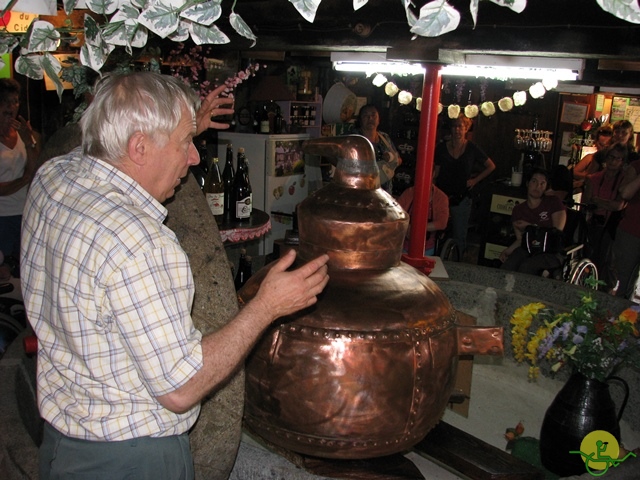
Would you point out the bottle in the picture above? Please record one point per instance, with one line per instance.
(264, 120)
(277, 122)
(244, 270)
(214, 191)
(199, 171)
(242, 194)
(203, 152)
(228, 175)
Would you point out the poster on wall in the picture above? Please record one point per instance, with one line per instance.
(618, 106)
(574, 113)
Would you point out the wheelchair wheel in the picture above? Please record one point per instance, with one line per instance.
(583, 270)
(450, 251)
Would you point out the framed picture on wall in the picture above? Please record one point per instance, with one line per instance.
(574, 113)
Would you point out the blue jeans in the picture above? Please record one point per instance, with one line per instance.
(145, 458)
(460, 222)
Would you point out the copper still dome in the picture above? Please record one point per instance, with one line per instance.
(370, 368)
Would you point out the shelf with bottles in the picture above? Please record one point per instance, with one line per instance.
(302, 116)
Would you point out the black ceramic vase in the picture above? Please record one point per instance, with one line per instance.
(580, 407)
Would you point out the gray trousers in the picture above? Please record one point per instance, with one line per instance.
(62, 457)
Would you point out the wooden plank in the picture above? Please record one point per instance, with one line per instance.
(473, 457)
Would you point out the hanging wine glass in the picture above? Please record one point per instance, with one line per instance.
(518, 141)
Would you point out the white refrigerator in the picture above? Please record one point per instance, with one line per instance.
(279, 180)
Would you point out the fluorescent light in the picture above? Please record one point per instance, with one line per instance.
(503, 67)
(504, 73)
(371, 63)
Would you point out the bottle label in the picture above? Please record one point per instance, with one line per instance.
(243, 207)
(216, 203)
(264, 126)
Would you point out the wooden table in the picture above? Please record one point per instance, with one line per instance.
(257, 225)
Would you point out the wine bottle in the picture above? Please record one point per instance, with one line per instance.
(200, 170)
(228, 175)
(244, 270)
(214, 191)
(242, 194)
(264, 121)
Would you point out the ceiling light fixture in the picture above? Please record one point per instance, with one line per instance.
(371, 63)
(503, 67)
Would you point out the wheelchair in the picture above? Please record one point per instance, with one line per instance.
(577, 267)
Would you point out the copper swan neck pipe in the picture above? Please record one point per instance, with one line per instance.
(353, 156)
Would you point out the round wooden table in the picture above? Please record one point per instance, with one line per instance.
(257, 225)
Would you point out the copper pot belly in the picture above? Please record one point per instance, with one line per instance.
(369, 369)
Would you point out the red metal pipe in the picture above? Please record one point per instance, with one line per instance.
(424, 169)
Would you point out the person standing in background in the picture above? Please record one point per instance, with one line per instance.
(387, 156)
(19, 151)
(623, 133)
(438, 215)
(109, 290)
(626, 246)
(601, 191)
(459, 166)
(592, 162)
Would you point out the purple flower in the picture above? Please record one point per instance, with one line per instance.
(564, 330)
(581, 329)
(577, 339)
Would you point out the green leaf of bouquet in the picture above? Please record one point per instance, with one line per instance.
(516, 5)
(436, 18)
(103, 7)
(210, 35)
(203, 13)
(182, 32)
(30, 66)
(160, 19)
(42, 37)
(625, 9)
(52, 67)
(69, 5)
(306, 8)
(240, 26)
(7, 43)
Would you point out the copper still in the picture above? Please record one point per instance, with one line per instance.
(369, 369)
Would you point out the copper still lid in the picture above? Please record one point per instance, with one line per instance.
(354, 221)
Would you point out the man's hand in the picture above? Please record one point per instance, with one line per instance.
(283, 293)
(211, 107)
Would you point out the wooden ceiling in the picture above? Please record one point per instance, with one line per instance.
(566, 28)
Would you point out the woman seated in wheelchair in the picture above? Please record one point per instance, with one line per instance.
(538, 223)
(438, 215)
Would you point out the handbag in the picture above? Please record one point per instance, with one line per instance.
(538, 240)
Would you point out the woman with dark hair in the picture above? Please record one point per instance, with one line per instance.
(19, 150)
(592, 162)
(601, 191)
(623, 133)
(459, 166)
(387, 156)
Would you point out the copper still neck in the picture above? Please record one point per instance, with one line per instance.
(354, 221)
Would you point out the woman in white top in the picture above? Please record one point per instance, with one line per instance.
(19, 151)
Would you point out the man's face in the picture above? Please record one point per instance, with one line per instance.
(369, 119)
(614, 161)
(170, 162)
(537, 186)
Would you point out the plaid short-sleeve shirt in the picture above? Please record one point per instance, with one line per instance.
(108, 291)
